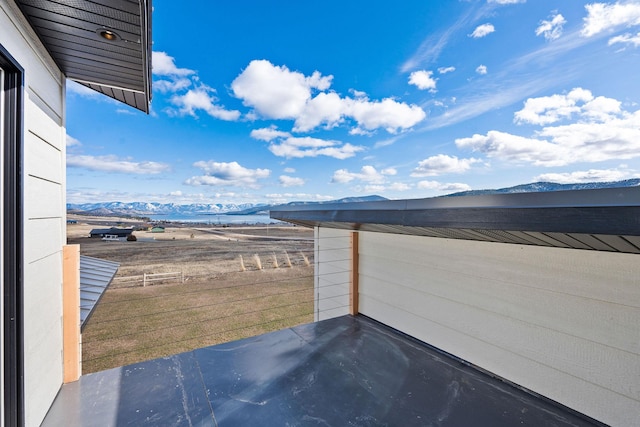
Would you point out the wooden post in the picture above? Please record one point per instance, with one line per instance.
(355, 275)
(71, 312)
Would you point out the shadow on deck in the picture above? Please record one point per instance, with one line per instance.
(348, 371)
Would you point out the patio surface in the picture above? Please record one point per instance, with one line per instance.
(348, 371)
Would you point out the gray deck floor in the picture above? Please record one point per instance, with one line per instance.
(348, 371)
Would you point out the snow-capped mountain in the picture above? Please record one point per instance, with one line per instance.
(538, 187)
(145, 208)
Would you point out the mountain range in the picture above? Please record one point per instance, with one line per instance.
(133, 209)
(138, 209)
(145, 208)
(538, 187)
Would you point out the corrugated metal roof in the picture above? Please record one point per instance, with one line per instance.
(70, 30)
(603, 219)
(95, 276)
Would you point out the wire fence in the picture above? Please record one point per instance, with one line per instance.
(285, 288)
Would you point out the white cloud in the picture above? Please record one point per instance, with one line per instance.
(601, 108)
(605, 17)
(551, 109)
(290, 181)
(445, 70)
(164, 65)
(482, 31)
(386, 142)
(282, 144)
(387, 114)
(284, 197)
(111, 163)
(506, 1)
(444, 187)
(423, 80)
(72, 142)
(325, 108)
(454, 187)
(189, 95)
(201, 98)
(227, 174)
(443, 164)
(428, 185)
(358, 93)
(551, 29)
(368, 174)
(399, 186)
(603, 131)
(626, 39)
(481, 69)
(517, 149)
(289, 170)
(389, 171)
(591, 175)
(293, 147)
(175, 85)
(329, 109)
(268, 134)
(275, 92)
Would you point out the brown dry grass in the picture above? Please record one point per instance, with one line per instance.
(218, 302)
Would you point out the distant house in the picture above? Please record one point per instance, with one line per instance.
(72, 221)
(157, 229)
(113, 231)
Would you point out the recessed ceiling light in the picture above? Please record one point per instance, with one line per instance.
(108, 35)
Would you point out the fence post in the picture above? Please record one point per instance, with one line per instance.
(71, 313)
(144, 279)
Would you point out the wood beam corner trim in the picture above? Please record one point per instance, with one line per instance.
(355, 275)
(71, 312)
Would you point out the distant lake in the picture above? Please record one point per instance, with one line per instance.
(217, 219)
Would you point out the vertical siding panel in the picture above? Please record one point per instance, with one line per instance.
(333, 255)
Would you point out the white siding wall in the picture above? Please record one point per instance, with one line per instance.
(332, 273)
(44, 204)
(562, 322)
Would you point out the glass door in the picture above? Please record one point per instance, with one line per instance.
(11, 248)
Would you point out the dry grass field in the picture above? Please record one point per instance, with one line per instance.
(221, 299)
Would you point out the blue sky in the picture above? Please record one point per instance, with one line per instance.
(269, 102)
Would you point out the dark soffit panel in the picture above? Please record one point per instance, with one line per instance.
(71, 32)
(602, 220)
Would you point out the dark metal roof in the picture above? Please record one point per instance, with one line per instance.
(70, 30)
(95, 276)
(603, 219)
